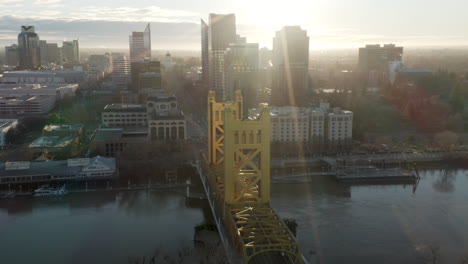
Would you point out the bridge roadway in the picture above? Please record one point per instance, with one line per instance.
(233, 255)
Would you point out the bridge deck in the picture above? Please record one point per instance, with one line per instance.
(251, 233)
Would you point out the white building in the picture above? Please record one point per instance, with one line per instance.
(27, 104)
(43, 77)
(124, 115)
(58, 90)
(5, 126)
(322, 125)
(289, 124)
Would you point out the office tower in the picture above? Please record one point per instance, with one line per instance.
(99, 64)
(53, 53)
(204, 53)
(28, 49)
(241, 73)
(291, 66)
(43, 52)
(11, 55)
(221, 33)
(140, 45)
(71, 51)
(121, 71)
(146, 75)
(377, 58)
(265, 58)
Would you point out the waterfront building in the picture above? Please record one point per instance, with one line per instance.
(321, 126)
(11, 55)
(5, 126)
(377, 58)
(291, 66)
(28, 49)
(81, 169)
(56, 139)
(140, 45)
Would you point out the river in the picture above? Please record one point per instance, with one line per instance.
(336, 223)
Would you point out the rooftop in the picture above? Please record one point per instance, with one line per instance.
(63, 127)
(51, 142)
(70, 166)
(124, 108)
(108, 134)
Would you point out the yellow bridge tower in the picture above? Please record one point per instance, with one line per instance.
(238, 168)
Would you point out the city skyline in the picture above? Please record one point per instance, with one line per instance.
(330, 24)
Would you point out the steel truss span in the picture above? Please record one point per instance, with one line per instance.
(238, 170)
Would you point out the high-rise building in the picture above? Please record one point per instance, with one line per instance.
(204, 53)
(265, 58)
(146, 75)
(28, 49)
(241, 73)
(376, 57)
(291, 66)
(53, 53)
(11, 55)
(221, 33)
(43, 52)
(71, 51)
(140, 45)
(121, 71)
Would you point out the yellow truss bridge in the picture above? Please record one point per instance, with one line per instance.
(236, 178)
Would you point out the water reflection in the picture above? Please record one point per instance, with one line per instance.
(444, 181)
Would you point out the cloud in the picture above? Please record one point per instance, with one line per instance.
(46, 1)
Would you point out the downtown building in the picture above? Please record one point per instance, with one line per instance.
(29, 56)
(377, 57)
(80, 169)
(290, 66)
(216, 37)
(71, 51)
(11, 55)
(165, 120)
(241, 72)
(323, 127)
(140, 45)
(121, 74)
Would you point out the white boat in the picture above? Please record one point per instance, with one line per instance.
(45, 190)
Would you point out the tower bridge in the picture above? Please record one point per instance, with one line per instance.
(236, 177)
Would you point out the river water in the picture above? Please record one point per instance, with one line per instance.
(336, 223)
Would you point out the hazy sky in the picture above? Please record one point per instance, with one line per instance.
(176, 23)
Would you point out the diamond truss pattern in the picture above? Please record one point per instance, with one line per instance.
(239, 166)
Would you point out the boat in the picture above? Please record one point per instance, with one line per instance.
(45, 190)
